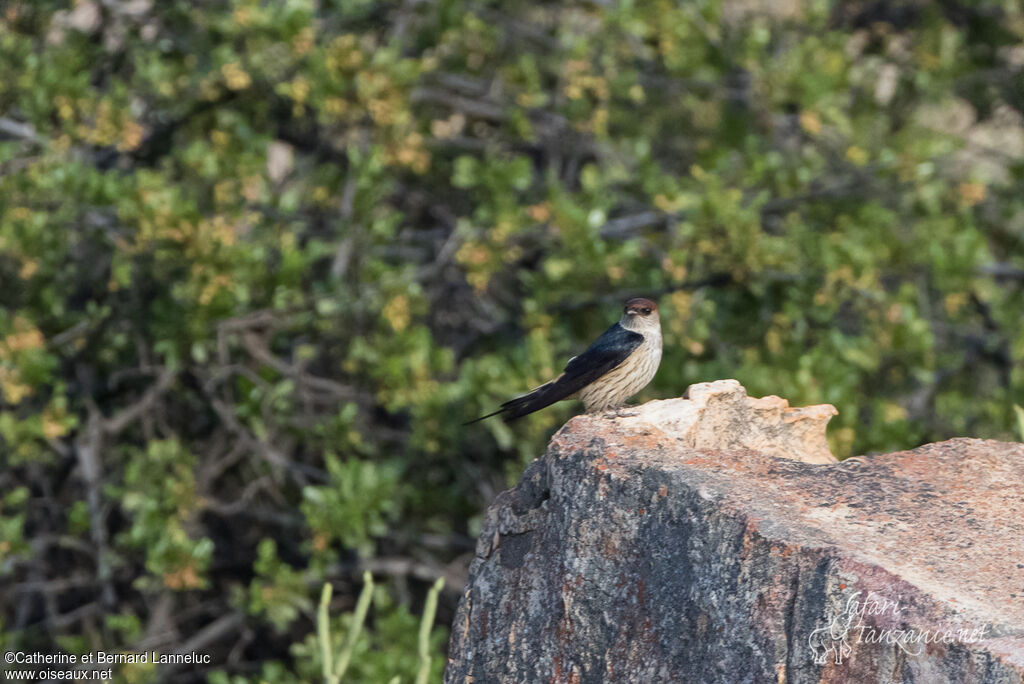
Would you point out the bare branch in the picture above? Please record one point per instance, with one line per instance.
(1002, 271)
(16, 129)
(88, 448)
(255, 346)
(125, 417)
(626, 226)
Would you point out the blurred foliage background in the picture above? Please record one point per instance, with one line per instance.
(260, 260)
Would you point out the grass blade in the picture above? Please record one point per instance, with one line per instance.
(426, 624)
(356, 628)
(323, 633)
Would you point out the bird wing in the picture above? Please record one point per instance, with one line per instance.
(609, 350)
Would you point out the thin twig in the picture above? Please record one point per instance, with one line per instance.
(125, 417)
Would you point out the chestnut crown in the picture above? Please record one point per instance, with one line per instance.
(638, 306)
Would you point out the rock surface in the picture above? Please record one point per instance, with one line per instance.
(715, 539)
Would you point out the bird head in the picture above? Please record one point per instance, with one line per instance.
(640, 312)
(638, 306)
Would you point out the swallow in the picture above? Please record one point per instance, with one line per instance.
(620, 363)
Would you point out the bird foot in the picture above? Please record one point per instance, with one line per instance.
(621, 412)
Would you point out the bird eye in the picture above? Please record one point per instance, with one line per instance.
(645, 311)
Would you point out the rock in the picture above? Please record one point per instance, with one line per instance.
(715, 539)
(720, 415)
